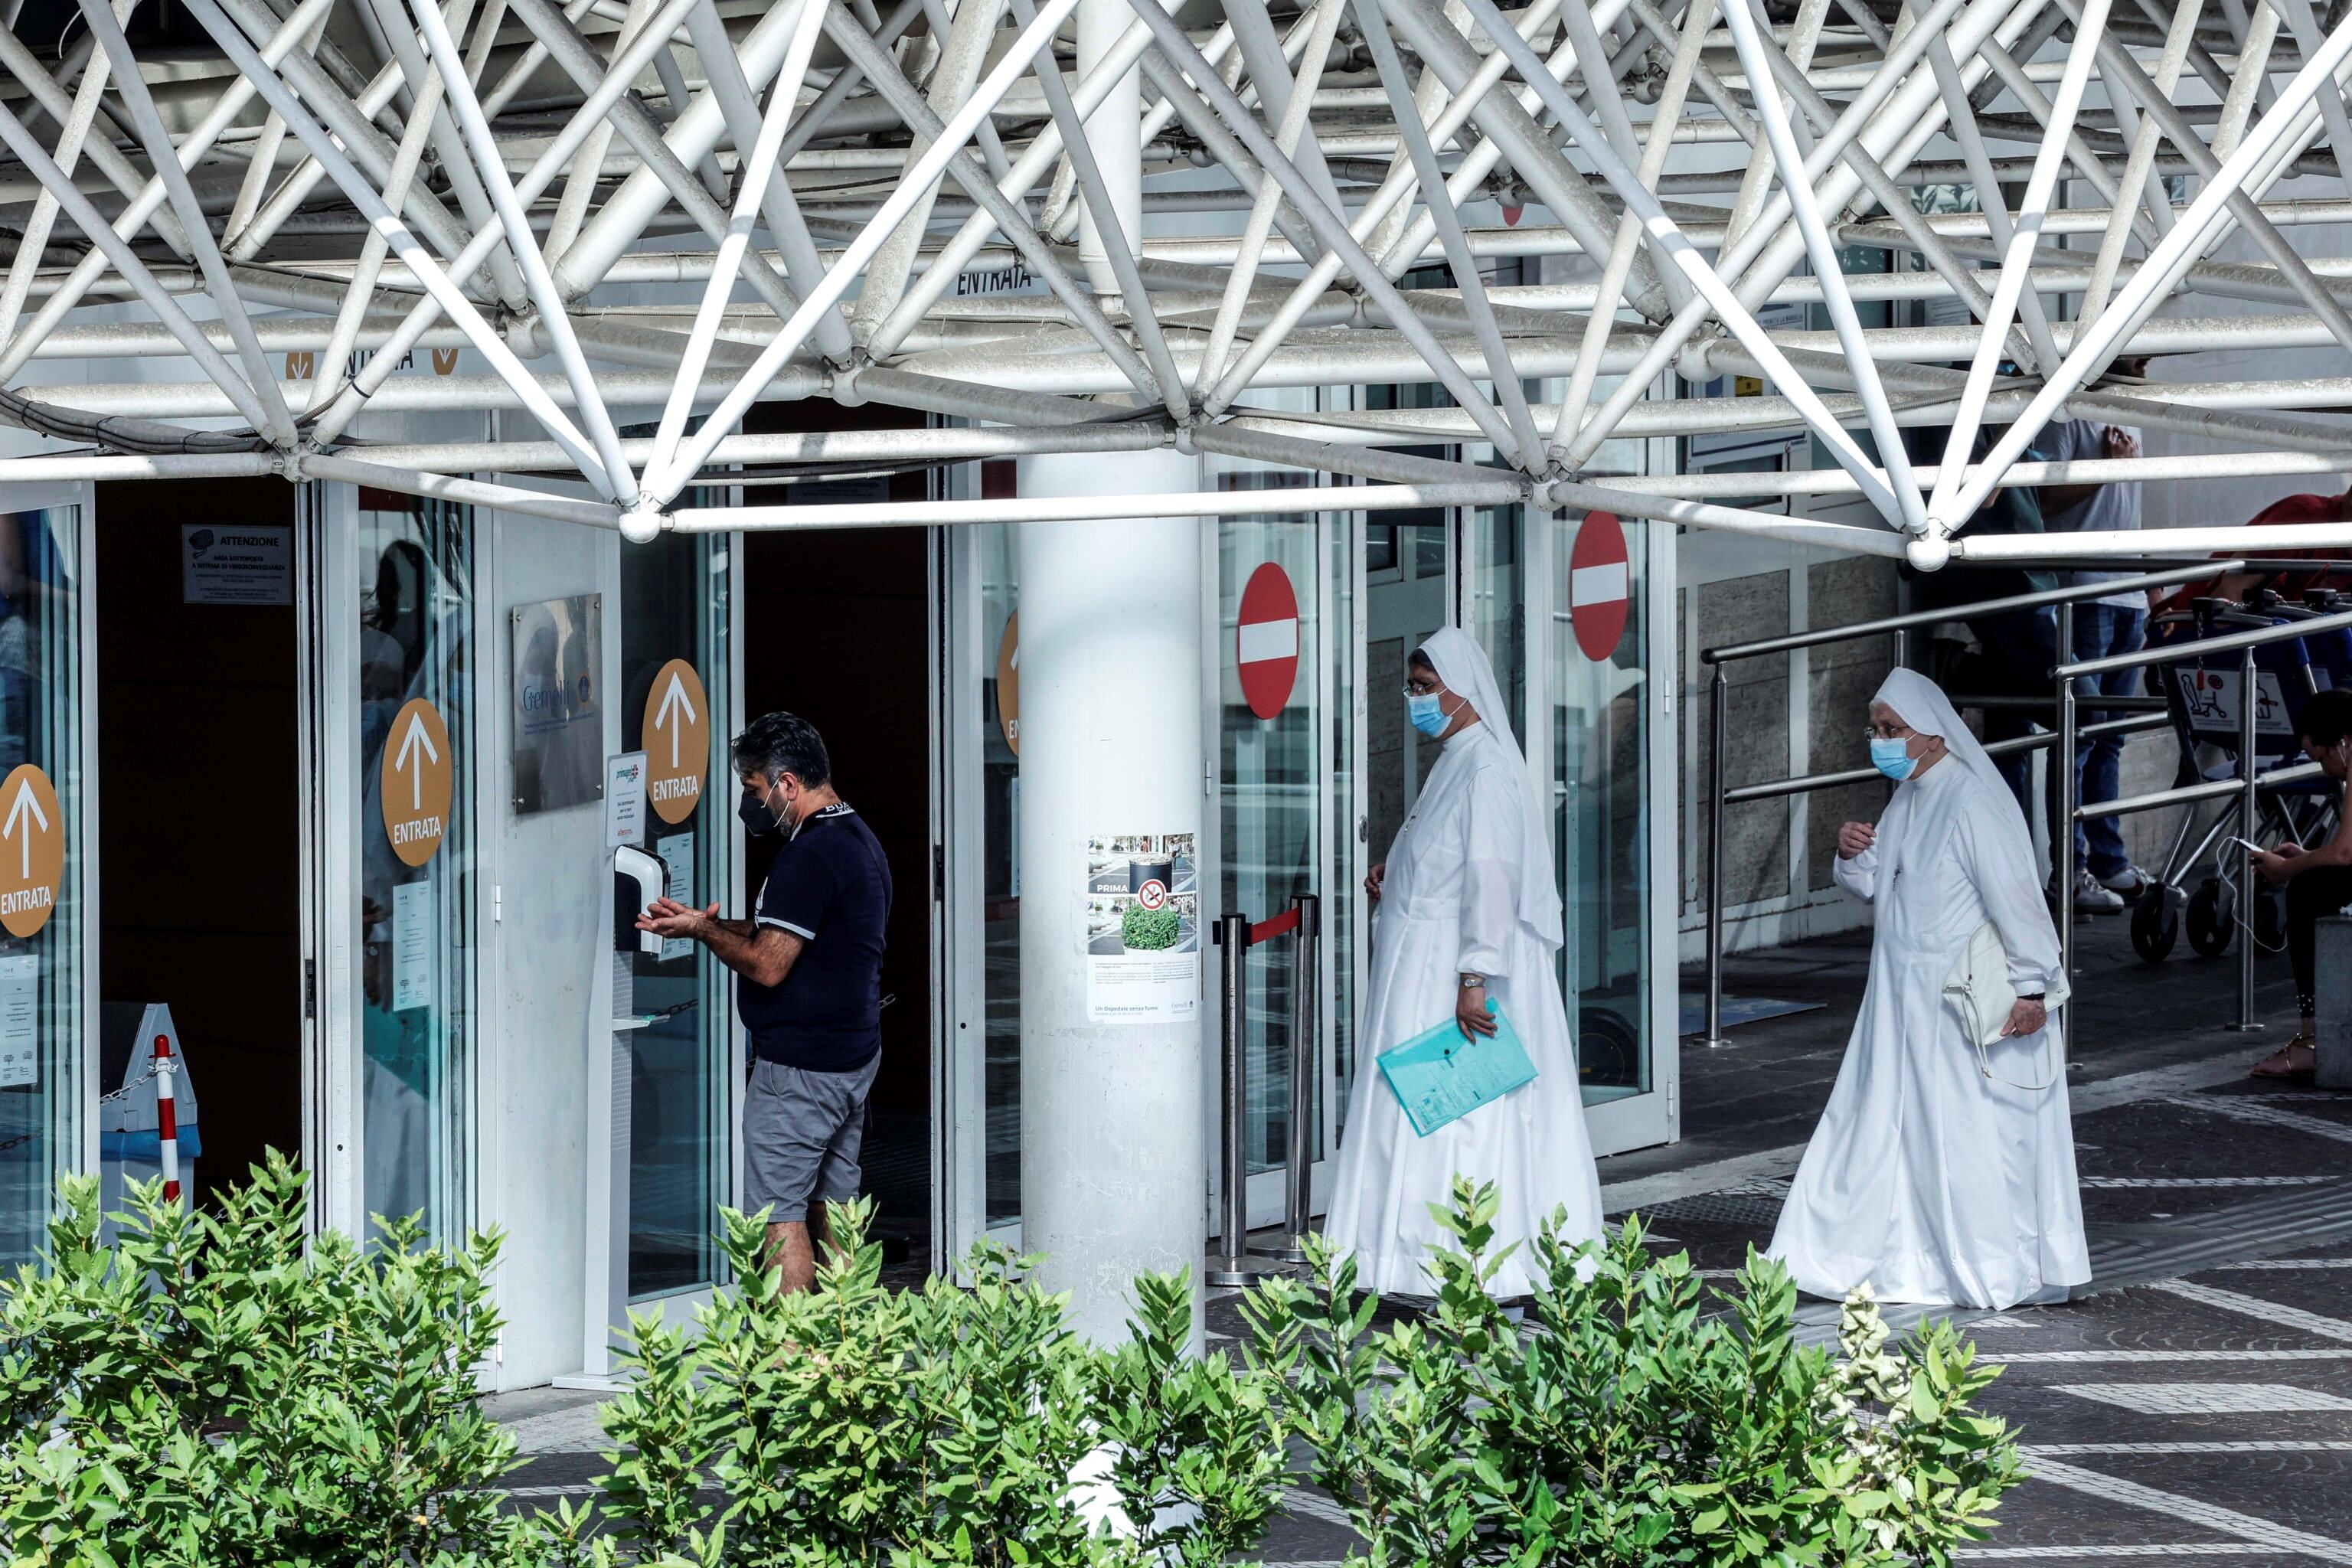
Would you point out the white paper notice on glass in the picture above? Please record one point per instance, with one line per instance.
(20, 1053)
(412, 945)
(624, 799)
(676, 852)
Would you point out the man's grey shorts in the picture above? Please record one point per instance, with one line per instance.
(800, 1136)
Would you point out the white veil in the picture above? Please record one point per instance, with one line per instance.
(1462, 664)
(1921, 703)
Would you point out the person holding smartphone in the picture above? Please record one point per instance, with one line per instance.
(2318, 880)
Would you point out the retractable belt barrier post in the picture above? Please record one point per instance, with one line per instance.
(1231, 1264)
(1237, 1262)
(1305, 919)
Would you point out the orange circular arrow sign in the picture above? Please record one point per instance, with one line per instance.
(414, 788)
(32, 850)
(677, 741)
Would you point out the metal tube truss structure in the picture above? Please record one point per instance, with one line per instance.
(643, 218)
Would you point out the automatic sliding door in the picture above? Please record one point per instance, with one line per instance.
(418, 681)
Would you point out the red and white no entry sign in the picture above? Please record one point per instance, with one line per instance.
(1599, 585)
(1265, 640)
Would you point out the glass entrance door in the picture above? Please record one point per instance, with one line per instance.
(1283, 668)
(675, 683)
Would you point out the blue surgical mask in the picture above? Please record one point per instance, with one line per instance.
(1891, 758)
(1425, 715)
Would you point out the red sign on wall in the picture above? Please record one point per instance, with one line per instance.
(1265, 640)
(1600, 585)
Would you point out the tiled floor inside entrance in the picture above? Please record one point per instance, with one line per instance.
(2197, 1403)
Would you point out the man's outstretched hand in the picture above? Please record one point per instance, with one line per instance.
(667, 917)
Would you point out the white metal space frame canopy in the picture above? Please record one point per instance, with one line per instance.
(381, 176)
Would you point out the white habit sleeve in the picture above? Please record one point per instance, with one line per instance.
(1491, 843)
(1858, 876)
(1999, 866)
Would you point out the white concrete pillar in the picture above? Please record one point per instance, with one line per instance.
(1114, 1153)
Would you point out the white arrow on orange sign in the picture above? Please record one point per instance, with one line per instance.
(672, 701)
(416, 739)
(25, 805)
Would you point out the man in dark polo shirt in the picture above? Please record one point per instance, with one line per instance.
(809, 985)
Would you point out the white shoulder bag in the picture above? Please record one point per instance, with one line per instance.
(1979, 990)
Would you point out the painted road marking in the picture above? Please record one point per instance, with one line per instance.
(2254, 1530)
(2283, 1316)
(2233, 1106)
(2086, 1358)
(2206, 1398)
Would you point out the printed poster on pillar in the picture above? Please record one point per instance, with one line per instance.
(1142, 899)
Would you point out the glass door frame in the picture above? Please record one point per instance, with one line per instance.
(1637, 1120)
(333, 828)
(74, 1113)
(325, 533)
(958, 858)
(1333, 532)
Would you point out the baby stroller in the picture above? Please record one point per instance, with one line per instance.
(2203, 697)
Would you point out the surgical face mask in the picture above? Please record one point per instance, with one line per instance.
(760, 820)
(1422, 710)
(1891, 758)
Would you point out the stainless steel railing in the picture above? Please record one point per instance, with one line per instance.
(2062, 599)
(2247, 786)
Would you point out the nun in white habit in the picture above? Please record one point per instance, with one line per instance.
(1939, 1175)
(1468, 911)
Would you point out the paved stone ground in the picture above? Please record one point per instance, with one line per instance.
(2197, 1403)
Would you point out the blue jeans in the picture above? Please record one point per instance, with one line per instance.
(2101, 630)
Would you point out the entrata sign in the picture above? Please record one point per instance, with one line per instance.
(1266, 640)
(32, 850)
(1599, 585)
(676, 742)
(1008, 682)
(415, 786)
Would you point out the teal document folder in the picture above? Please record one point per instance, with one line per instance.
(1443, 1076)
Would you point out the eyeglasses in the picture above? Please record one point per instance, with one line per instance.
(1887, 733)
(1414, 688)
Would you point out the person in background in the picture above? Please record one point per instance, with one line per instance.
(2017, 649)
(2288, 512)
(2105, 877)
(809, 985)
(2318, 880)
(1469, 911)
(1943, 1170)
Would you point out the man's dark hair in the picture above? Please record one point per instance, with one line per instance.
(778, 743)
(2326, 717)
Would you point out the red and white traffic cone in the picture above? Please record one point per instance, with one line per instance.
(167, 1118)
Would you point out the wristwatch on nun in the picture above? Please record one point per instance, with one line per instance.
(1473, 982)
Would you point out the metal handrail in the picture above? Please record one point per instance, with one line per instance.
(2063, 599)
(2070, 733)
(1721, 656)
(1780, 788)
(2247, 786)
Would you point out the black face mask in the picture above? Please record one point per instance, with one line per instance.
(759, 818)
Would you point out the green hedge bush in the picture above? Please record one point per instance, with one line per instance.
(212, 1392)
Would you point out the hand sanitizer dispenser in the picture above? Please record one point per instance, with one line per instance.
(639, 878)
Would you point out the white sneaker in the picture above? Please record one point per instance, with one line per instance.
(2128, 883)
(2091, 899)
